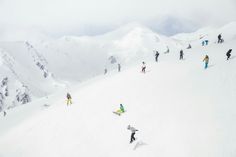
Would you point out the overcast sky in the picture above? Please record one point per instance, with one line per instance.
(91, 17)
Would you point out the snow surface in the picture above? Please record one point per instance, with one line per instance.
(179, 108)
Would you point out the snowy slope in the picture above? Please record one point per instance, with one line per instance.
(23, 74)
(46, 66)
(179, 108)
(89, 56)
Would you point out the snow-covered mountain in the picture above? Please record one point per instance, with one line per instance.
(179, 108)
(24, 74)
(37, 69)
(31, 70)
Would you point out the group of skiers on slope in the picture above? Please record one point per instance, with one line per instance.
(181, 55)
(120, 111)
(219, 41)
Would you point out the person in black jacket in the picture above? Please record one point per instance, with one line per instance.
(156, 56)
(181, 55)
(133, 131)
(220, 40)
(228, 54)
(119, 67)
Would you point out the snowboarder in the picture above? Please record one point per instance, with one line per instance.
(105, 71)
(133, 130)
(69, 99)
(119, 67)
(144, 67)
(228, 54)
(4, 113)
(181, 55)
(189, 46)
(206, 59)
(156, 56)
(121, 110)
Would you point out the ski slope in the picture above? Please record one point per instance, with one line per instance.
(179, 108)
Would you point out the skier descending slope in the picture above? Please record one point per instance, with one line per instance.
(203, 43)
(181, 55)
(119, 67)
(144, 67)
(4, 113)
(228, 54)
(69, 99)
(133, 130)
(220, 40)
(206, 59)
(156, 56)
(189, 46)
(105, 71)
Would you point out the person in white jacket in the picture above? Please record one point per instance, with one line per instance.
(133, 130)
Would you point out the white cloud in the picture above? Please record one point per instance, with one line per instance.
(91, 17)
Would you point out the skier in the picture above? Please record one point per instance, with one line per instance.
(228, 54)
(181, 55)
(203, 43)
(206, 59)
(69, 101)
(119, 67)
(156, 56)
(206, 42)
(4, 113)
(220, 40)
(105, 71)
(144, 67)
(168, 50)
(189, 46)
(133, 130)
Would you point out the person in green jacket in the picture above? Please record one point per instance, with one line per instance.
(121, 110)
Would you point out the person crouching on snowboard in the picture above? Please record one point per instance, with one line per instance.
(133, 130)
(121, 110)
(69, 101)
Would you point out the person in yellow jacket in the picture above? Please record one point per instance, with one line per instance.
(206, 60)
(69, 101)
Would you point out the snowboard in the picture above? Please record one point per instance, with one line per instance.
(118, 113)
